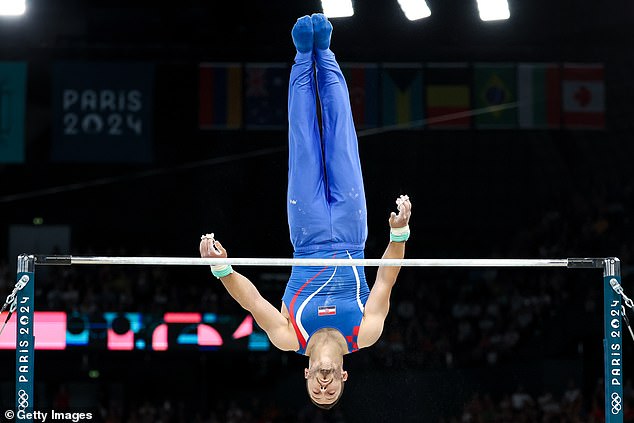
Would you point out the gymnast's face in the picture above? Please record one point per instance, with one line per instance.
(324, 382)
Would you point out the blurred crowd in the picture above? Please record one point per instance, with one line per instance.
(521, 406)
(222, 412)
(518, 406)
(217, 410)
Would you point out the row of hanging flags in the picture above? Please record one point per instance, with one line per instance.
(416, 95)
(103, 112)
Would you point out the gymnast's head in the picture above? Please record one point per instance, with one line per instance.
(325, 380)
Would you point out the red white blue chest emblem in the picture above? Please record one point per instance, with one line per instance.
(327, 310)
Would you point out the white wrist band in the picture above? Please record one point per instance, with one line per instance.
(399, 234)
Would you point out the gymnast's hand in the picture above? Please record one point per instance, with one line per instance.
(401, 219)
(210, 248)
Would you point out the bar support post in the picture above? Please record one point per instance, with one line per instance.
(612, 343)
(25, 341)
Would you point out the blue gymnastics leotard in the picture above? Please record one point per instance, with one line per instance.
(326, 207)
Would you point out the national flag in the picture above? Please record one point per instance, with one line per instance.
(539, 97)
(583, 94)
(363, 84)
(327, 310)
(495, 96)
(266, 92)
(220, 96)
(402, 95)
(12, 111)
(448, 95)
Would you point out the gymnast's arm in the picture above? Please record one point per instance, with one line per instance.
(378, 304)
(277, 327)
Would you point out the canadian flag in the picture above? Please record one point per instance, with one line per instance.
(583, 92)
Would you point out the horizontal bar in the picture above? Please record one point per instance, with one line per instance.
(197, 261)
(586, 263)
(53, 260)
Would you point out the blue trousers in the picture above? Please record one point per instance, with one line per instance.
(325, 199)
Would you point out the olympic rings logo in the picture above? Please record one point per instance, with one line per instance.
(23, 399)
(616, 403)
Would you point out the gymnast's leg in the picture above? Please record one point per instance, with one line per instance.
(307, 208)
(345, 190)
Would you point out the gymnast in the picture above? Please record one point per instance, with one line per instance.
(326, 312)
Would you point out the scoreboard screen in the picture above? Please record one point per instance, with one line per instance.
(121, 331)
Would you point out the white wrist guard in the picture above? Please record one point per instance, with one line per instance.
(221, 270)
(399, 234)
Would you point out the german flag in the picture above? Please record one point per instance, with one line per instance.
(220, 96)
(448, 95)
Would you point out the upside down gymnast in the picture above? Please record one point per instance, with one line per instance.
(326, 312)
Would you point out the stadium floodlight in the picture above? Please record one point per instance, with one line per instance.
(337, 8)
(12, 7)
(493, 10)
(415, 9)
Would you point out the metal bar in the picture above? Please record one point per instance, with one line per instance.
(612, 343)
(586, 263)
(197, 261)
(53, 260)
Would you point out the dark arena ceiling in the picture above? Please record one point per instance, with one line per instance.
(250, 30)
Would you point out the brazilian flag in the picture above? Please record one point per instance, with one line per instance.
(495, 96)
